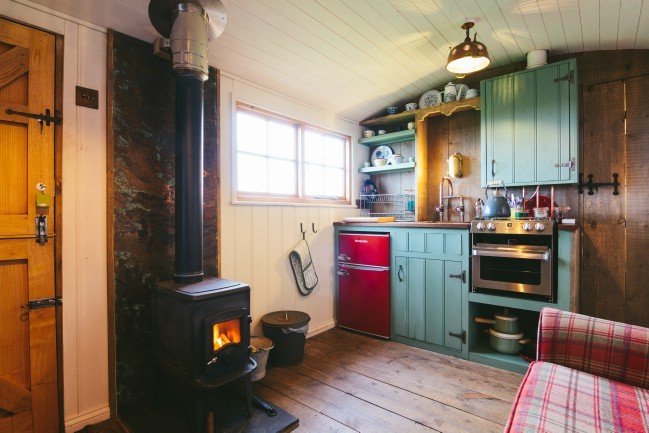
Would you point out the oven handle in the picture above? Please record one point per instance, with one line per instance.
(545, 256)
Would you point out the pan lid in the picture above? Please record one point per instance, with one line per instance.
(505, 316)
(495, 333)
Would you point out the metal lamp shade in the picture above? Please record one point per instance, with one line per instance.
(469, 56)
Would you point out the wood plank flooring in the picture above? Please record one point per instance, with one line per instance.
(353, 383)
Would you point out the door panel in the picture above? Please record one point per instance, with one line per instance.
(365, 300)
(435, 301)
(365, 249)
(550, 122)
(502, 136)
(416, 295)
(452, 304)
(28, 362)
(524, 127)
(400, 296)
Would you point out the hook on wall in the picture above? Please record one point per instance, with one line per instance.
(313, 228)
(303, 232)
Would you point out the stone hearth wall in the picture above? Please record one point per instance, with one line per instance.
(142, 89)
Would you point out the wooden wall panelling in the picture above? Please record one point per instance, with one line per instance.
(464, 138)
(637, 201)
(437, 142)
(602, 220)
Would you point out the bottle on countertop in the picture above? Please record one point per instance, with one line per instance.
(479, 207)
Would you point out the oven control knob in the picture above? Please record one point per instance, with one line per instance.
(480, 226)
(491, 226)
(527, 227)
(539, 227)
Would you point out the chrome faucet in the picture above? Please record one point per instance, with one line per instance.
(440, 208)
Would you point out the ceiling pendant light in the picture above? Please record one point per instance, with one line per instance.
(469, 56)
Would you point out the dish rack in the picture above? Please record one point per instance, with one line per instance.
(399, 206)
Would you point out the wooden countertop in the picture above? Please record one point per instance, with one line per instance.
(413, 224)
(434, 225)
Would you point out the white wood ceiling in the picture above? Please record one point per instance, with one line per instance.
(355, 57)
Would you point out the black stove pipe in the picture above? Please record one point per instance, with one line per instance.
(189, 178)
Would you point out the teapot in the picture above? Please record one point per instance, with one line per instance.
(450, 92)
(496, 206)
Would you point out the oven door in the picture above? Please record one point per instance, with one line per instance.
(515, 268)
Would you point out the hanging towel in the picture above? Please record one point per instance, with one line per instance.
(303, 270)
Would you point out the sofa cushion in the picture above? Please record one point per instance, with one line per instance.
(554, 398)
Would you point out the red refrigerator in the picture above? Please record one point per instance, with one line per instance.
(364, 282)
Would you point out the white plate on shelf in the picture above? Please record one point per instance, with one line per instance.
(382, 152)
(430, 99)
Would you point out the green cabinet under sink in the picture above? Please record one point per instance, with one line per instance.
(429, 288)
(529, 126)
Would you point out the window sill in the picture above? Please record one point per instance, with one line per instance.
(289, 204)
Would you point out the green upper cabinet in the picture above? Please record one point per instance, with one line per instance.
(529, 126)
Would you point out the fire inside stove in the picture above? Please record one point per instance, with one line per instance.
(225, 333)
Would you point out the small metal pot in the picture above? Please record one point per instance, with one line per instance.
(510, 344)
(503, 322)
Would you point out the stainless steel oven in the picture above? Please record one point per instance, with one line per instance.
(514, 256)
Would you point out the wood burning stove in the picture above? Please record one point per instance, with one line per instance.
(202, 337)
(202, 331)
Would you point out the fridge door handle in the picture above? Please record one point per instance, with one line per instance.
(343, 272)
(343, 257)
(364, 267)
(400, 273)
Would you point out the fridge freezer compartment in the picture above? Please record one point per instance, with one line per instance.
(370, 249)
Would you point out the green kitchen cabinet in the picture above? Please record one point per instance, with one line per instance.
(529, 126)
(429, 288)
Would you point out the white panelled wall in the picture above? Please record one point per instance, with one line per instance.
(85, 329)
(257, 239)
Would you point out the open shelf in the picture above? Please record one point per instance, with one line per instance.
(484, 354)
(396, 168)
(384, 139)
(505, 301)
(445, 109)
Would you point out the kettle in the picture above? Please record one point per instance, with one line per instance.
(496, 206)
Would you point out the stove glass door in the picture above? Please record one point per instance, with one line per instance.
(224, 333)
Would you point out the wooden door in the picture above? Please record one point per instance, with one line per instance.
(399, 295)
(498, 131)
(28, 369)
(524, 127)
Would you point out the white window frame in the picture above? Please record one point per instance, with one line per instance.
(300, 197)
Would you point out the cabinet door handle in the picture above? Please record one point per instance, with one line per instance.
(461, 276)
(461, 336)
(493, 169)
(400, 273)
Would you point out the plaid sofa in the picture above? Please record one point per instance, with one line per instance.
(591, 375)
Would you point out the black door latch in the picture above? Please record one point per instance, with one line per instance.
(43, 303)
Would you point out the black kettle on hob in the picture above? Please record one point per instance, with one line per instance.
(496, 206)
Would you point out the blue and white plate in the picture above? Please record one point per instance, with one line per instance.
(430, 99)
(382, 152)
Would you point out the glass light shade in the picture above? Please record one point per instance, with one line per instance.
(466, 65)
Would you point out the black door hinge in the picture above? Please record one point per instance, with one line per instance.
(43, 303)
(461, 336)
(461, 276)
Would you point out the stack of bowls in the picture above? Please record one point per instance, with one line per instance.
(505, 336)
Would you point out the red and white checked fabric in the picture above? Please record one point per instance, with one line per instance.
(601, 347)
(554, 398)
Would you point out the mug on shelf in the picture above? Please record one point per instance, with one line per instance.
(368, 133)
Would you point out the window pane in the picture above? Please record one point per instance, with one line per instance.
(251, 133)
(335, 185)
(334, 154)
(282, 140)
(313, 180)
(313, 146)
(282, 177)
(252, 173)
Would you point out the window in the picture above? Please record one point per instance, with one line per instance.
(278, 159)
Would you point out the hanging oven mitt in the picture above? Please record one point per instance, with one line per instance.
(303, 270)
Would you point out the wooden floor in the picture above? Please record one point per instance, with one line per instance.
(349, 382)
